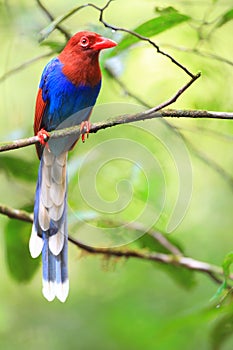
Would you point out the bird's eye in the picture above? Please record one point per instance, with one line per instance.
(84, 41)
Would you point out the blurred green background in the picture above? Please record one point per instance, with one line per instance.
(117, 303)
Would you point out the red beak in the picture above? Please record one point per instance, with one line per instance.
(103, 43)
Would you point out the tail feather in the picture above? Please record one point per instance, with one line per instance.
(36, 243)
(49, 270)
(57, 192)
(49, 231)
(56, 241)
(62, 282)
(43, 216)
(56, 212)
(55, 272)
(57, 172)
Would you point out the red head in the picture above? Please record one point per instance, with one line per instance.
(88, 43)
(80, 57)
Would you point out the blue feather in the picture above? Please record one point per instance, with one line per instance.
(64, 98)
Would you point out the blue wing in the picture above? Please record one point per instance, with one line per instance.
(63, 98)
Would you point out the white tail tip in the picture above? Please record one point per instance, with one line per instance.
(35, 243)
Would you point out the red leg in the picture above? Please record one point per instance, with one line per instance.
(85, 126)
(43, 136)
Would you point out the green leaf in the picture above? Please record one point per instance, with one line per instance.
(19, 168)
(227, 16)
(221, 291)
(152, 27)
(184, 277)
(222, 330)
(227, 264)
(21, 265)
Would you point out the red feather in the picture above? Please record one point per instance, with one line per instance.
(80, 58)
(39, 112)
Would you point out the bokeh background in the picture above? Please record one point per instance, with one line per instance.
(118, 303)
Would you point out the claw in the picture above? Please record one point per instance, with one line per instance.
(43, 136)
(85, 126)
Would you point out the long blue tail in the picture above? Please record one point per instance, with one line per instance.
(49, 231)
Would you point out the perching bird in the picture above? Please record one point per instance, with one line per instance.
(68, 90)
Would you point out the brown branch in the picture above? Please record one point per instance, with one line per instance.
(216, 273)
(123, 119)
(20, 143)
(16, 214)
(175, 260)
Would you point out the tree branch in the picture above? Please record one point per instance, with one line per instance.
(175, 260)
(123, 119)
(16, 214)
(216, 273)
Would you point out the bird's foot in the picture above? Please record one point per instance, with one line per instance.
(43, 136)
(85, 127)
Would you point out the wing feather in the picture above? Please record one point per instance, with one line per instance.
(39, 113)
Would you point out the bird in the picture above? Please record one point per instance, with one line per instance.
(68, 89)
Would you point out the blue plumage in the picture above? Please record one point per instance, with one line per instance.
(63, 98)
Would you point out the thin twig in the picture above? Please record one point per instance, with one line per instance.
(199, 52)
(175, 97)
(24, 65)
(200, 155)
(142, 38)
(51, 18)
